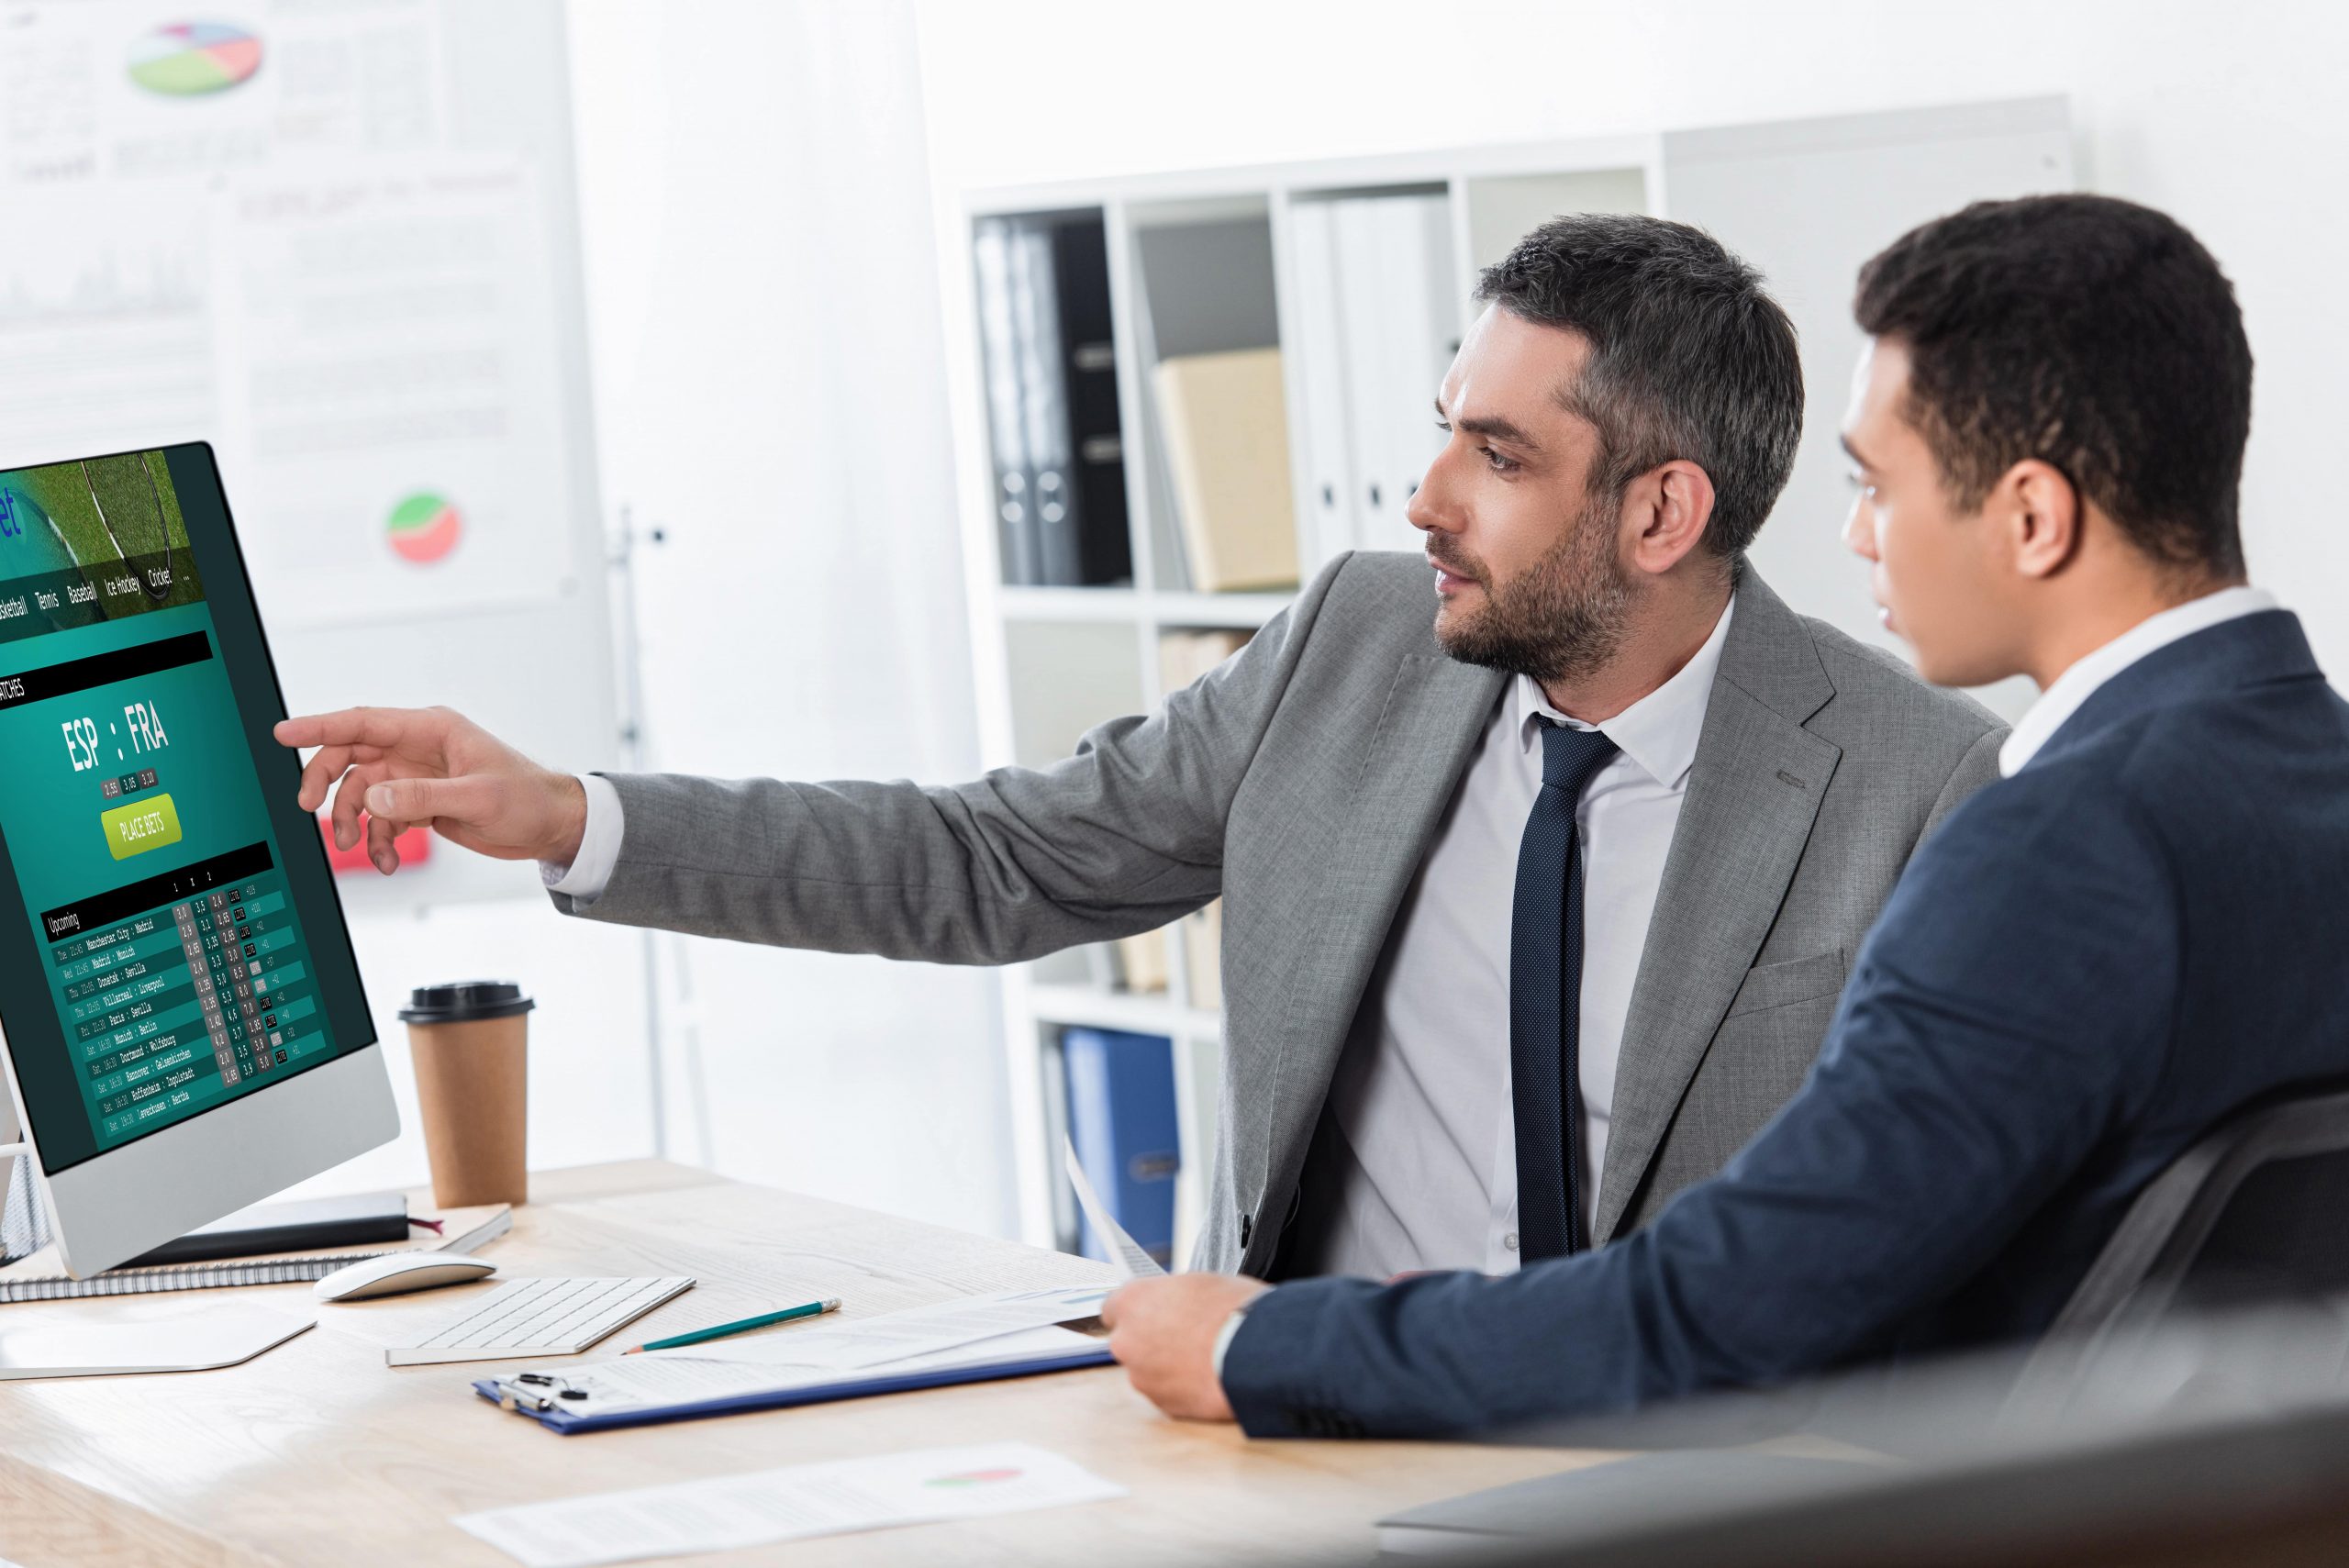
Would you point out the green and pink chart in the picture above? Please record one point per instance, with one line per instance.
(424, 528)
(190, 58)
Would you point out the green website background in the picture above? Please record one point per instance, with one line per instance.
(76, 523)
(51, 813)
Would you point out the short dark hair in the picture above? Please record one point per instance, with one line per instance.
(1689, 357)
(2092, 334)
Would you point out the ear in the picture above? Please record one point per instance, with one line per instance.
(1664, 514)
(2039, 514)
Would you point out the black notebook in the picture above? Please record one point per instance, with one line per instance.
(39, 1277)
(267, 1229)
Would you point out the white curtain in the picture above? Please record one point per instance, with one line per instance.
(763, 298)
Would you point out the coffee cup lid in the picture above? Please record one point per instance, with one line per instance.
(465, 1001)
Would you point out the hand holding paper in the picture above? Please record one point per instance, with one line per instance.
(1164, 1329)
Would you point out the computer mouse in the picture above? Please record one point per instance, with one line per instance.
(395, 1273)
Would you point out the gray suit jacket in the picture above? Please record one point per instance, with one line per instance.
(1303, 782)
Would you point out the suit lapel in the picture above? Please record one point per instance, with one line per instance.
(1434, 712)
(1754, 793)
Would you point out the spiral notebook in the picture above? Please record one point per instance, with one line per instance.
(38, 1278)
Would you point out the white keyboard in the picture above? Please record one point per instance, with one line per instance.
(538, 1318)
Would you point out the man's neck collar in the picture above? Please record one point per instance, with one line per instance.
(1639, 672)
(2081, 679)
(2081, 635)
(1661, 729)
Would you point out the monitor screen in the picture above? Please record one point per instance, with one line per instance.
(170, 934)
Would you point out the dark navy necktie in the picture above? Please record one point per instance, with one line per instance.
(1545, 999)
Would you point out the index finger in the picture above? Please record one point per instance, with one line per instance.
(384, 727)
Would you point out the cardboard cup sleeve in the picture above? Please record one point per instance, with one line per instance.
(471, 1090)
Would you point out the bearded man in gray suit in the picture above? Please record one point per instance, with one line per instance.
(1538, 898)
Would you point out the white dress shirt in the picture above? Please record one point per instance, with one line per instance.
(2076, 685)
(599, 846)
(1427, 1171)
(1422, 1139)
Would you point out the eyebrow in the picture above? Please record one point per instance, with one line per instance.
(1851, 452)
(1494, 429)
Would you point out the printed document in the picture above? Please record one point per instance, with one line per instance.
(801, 1500)
(1131, 1260)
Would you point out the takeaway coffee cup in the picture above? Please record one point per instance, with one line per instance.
(470, 1042)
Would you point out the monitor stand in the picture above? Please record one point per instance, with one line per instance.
(19, 1211)
(208, 1337)
(55, 1346)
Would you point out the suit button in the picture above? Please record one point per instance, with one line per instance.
(1243, 1230)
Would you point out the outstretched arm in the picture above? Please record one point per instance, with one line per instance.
(1123, 836)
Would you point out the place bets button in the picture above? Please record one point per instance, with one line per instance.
(143, 825)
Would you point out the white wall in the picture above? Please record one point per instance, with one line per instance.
(764, 307)
(2228, 116)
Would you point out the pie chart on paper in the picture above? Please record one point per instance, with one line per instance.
(976, 1478)
(190, 57)
(425, 528)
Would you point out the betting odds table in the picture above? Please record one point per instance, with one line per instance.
(182, 986)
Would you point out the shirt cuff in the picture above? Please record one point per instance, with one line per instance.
(1224, 1335)
(590, 871)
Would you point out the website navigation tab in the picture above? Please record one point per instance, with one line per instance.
(42, 602)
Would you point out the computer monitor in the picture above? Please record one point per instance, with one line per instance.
(180, 1008)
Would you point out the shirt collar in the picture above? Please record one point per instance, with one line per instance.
(1660, 731)
(2076, 684)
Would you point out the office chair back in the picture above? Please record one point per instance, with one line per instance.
(2256, 1210)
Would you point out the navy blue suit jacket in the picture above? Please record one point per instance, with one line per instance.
(2088, 965)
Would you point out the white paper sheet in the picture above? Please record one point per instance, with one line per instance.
(389, 349)
(1125, 1252)
(873, 1262)
(832, 1498)
(113, 317)
(341, 81)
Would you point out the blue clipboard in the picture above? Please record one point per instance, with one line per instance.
(556, 1419)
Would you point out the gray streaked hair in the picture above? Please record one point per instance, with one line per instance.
(1690, 358)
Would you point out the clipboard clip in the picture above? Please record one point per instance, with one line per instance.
(535, 1393)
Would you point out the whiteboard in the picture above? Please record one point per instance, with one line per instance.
(337, 239)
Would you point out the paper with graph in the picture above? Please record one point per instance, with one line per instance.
(727, 1513)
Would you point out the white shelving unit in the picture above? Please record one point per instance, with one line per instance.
(1051, 663)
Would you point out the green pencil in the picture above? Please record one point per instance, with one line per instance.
(720, 1331)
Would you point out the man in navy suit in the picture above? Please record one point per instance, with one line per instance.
(2128, 937)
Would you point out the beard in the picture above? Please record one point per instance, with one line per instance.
(1561, 619)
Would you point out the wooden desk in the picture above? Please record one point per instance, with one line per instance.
(316, 1452)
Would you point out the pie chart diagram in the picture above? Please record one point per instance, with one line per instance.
(976, 1478)
(424, 528)
(190, 57)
